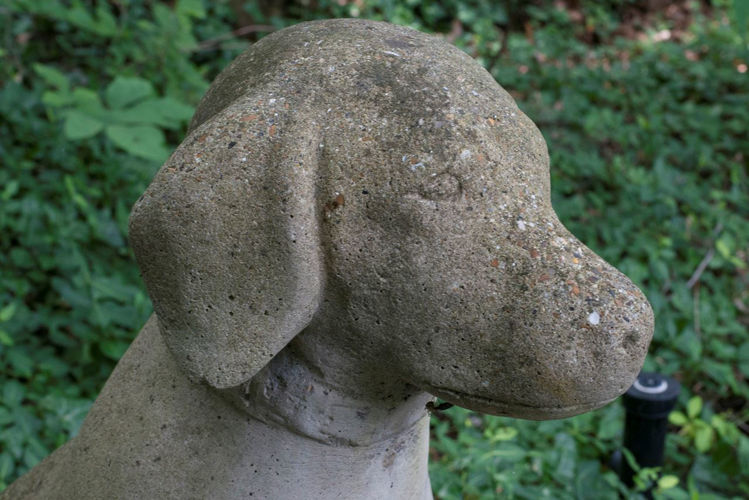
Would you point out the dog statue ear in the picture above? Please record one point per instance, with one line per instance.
(227, 240)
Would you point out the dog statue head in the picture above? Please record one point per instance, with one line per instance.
(374, 188)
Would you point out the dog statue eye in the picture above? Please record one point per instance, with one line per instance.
(444, 186)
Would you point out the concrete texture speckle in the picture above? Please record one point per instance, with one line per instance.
(358, 219)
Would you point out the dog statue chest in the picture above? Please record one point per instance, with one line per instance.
(358, 220)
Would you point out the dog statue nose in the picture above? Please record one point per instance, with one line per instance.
(601, 350)
(582, 331)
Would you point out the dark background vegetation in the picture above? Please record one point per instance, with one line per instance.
(644, 104)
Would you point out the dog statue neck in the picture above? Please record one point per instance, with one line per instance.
(333, 406)
(381, 428)
(321, 428)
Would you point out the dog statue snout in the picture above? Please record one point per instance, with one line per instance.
(515, 315)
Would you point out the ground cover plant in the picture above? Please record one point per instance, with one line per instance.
(645, 111)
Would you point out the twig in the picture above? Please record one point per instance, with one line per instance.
(696, 312)
(706, 259)
(244, 30)
(701, 268)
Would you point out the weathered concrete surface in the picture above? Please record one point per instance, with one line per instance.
(153, 434)
(359, 218)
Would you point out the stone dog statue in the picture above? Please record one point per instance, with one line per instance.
(358, 220)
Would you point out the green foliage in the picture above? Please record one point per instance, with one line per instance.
(81, 134)
(491, 457)
(649, 168)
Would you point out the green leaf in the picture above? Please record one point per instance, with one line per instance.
(610, 424)
(5, 338)
(720, 372)
(740, 16)
(703, 438)
(79, 16)
(56, 99)
(174, 109)
(677, 418)
(503, 434)
(88, 101)
(631, 460)
(5, 416)
(508, 451)
(6, 465)
(79, 200)
(726, 429)
(565, 444)
(21, 362)
(108, 231)
(106, 24)
(667, 482)
(7, 312)
(56, 367)
(743, 452)
(79, 125)
(193, 8)
(694, 407)
(164, 112)
(10, 189)
(31, 456)
(114, 349)
(124, 91)
(13, 441)
(52, 76)
(72, 296)
(21, 258)
(743, 359)
(723, 246)
(142, 141)
(13, 394)
(108, 287)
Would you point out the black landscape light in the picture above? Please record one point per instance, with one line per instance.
(648, 403)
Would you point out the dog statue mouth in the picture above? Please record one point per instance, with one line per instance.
(516, 410)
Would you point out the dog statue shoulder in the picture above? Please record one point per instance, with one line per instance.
(358, 220)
